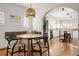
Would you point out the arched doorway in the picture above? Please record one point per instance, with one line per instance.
(57, 21)
(62, 18)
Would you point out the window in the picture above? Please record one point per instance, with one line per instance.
(1, 17)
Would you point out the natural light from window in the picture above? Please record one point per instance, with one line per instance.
(1, 17)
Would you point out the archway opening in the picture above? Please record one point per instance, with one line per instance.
(62, 19)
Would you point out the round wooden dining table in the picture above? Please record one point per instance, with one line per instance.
(30, 38)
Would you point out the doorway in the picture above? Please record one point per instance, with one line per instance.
(62, 19)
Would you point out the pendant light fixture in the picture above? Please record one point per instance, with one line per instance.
(62, 9)
(30, 12)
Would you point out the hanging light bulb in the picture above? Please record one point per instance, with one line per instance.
(62, 9)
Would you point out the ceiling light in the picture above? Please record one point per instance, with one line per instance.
(62, 9)
(30, 12)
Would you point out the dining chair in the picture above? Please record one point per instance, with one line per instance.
(13, 43)
(43, 46)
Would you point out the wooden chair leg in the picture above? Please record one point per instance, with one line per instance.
(12, 51)
(24, 50)
(39, 48)
(7, 51)
(40, 53)
(48, 51)
(31, 47)
(13, 48)
(48, 48)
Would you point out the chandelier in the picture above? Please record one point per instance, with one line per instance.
(30, 12)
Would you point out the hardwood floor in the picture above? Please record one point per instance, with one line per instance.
(57, 48)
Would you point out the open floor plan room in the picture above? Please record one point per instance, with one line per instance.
(39, 29)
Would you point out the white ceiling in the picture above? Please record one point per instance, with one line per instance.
(61, 15)
(27, 5)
